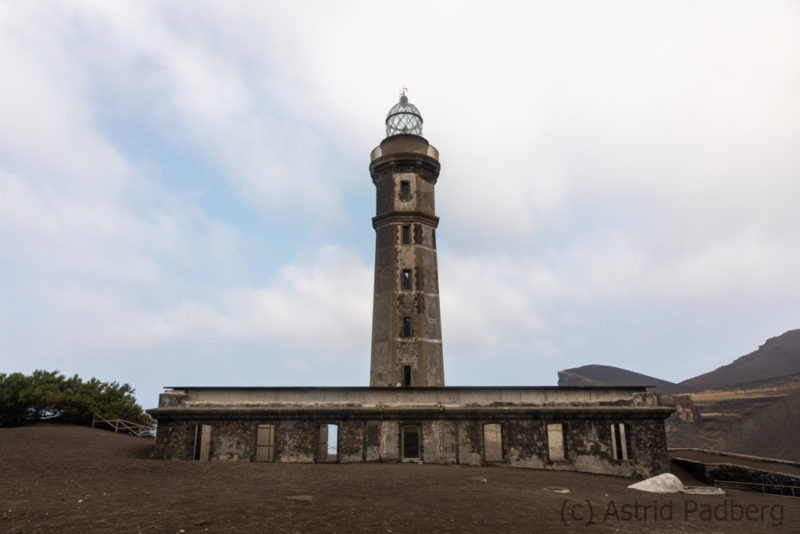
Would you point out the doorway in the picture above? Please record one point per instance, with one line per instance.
(410, 440)
(328, 443)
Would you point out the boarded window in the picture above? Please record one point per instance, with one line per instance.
(493, 442)
(410, 440)
(406, 234)
(621, 446)
(328, 443)
(406, 326)
(406, 375)
(405, 190)
(556, 442)
(202, 442)
(265, 443)
(406, 278)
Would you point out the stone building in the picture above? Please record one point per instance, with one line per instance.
(407, 414)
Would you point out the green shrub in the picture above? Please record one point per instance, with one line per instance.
(51, 396)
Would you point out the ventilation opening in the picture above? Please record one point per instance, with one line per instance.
(265, 443)
(406, 327)
(202, 442)
(405, 190)
(556, 442)
(406, 375)
(493, 442)
(328, 443)
(411, 442)
(621, 446)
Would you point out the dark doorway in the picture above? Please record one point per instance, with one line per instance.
(406, 375)
(411, 442)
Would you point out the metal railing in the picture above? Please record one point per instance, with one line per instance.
(400, 147)
(129, 427)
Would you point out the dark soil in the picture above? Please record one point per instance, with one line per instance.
(72, 479)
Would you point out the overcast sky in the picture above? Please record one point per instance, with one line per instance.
(185, 196)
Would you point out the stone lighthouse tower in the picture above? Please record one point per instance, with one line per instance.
(406, 322)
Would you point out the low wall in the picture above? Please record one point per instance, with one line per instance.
(766, 481)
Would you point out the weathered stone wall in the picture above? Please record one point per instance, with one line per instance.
(351, 440)
(443, 441)
(469, 443)
(175, 440)
(525, 443)
(439, 442)
(297, 441)
(233, 440)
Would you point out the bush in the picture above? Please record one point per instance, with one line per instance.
(51, 396)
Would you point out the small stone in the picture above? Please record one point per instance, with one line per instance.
(300, 498)
(556, 489)
(476, 479)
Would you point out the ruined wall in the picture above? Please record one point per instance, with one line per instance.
(233, 440)
(469, 443)
(525, 443)
(174, 441)
(439, 442)
(351, 439)
(446, 435)
(296, 441)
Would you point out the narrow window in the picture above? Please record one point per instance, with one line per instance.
(405, 190)
(621, 446)
(406, 375)
(328, 443)
(556, 443)
(410, 441)
(202, 442)
(406, 234)
(406, 278)
(406, 326)
(265, 443)
(493, 442)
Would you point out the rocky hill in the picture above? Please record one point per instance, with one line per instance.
(607, 375)
(778, 356)
(748, 406)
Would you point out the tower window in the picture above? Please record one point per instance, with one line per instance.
(406, 278)
(406, 375)
(406, 326)
(405, 190)
(406, 234)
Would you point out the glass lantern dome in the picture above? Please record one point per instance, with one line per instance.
(403, 118)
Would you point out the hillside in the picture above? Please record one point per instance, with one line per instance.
(758, 418)
(778, 356)
(607, 375)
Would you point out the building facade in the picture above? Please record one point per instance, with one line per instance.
(407, 415)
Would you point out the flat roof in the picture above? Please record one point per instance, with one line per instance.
(394, 388)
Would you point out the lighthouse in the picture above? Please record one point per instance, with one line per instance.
(406, 318)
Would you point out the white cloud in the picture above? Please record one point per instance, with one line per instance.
(614, 177)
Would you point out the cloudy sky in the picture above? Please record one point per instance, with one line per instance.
(185, 196)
